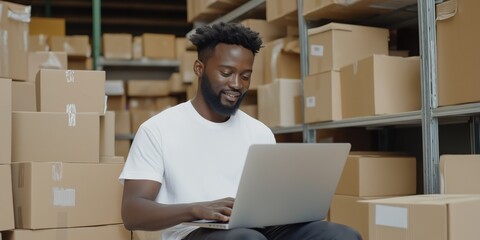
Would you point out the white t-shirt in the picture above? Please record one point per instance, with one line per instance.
(194, 159)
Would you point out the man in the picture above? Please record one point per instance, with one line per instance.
(185, 163)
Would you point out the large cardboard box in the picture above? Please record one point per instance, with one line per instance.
(148, 88)
(117, 45)
(45, 60)
(6, 198)
(55, 137)
(47, 26)
(282, 59)
(323, 100)
(14, 19)
(74, 45)
(159, 46)
(336, 45)
(5, 121)
(282, 11)
(23, 96)
(367, 176)
(117, 232)
(268, 31)
(425, 217)
(380, 85)
(458, 52)
(58, 89)
(349, 211)
(350, 10)
(107, 134)
(58, 195)
(276, 102)
(460, 174)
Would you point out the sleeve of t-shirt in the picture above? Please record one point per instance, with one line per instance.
(145, 159)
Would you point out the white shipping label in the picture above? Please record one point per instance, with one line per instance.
(64, 197)
(310, 102)
(316, 50)
(391, 216)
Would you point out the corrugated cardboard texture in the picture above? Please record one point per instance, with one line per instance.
(323, 101)
(117, 232)
(55, 137)
(6, 199)
(58, 88)
(5, 121)
(460, 174)
(369, 176)
(57, 195)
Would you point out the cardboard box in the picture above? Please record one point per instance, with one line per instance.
(5, 121)
(45, 60)
(122, 147)
(142, 103)
(180, 47)
(74, 45)
(380, 85)
(199, 11)
(38, 43)
(58, 195)
(112, 159)
(251, 110)
(459, 174)
(71, 137)
(258, 71)
(425, 217)
(122, 122)
(323, 99)
(23, 96)
(80, 63)
(117, 46)
(58, 89)
(457, 52)
(176, 84)
(7, 221)
(159, 46)
(336, 45)
(282, 59)
(116, 95)
(348, 211)
(282, 12)
(107, 134)
(163, 103)
(137, 47)
(14, 20)
(47, 26)
(138, 116)
(369, 176)
(268, 31)
(186, 66)
(148, 88)
(276, 102)
(117, 232)
(351, 10)
(146, 235)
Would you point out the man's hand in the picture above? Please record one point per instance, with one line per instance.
(219, 210)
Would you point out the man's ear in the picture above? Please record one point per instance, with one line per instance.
(198, 68)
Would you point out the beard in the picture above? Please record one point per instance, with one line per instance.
(214, 100)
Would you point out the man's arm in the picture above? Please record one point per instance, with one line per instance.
(140, 211)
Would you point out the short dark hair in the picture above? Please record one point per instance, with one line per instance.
(207, 37)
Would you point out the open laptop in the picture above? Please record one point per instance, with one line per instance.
(285, 183)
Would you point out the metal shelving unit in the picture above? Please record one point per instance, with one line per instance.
(144, 62)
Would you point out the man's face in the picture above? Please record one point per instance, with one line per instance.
(226, 78)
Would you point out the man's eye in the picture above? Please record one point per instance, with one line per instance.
(246, 77)
(225, 74)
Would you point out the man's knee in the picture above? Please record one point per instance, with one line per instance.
(343, 232)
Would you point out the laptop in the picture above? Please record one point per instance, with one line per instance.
(285, 183)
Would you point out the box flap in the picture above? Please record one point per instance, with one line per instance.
(446, 9)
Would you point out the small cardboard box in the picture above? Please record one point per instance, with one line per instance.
(14, 21)
(74, 45)
(148, 88)
(268, 31)
(47, 26)
(323, 99)
(458, 52)
(380, 85)
(5, 121)
(117, 46)
(7, 221)
(55, 137)
(45, 60)
(63, 195)
(23, 96)
(282, 12)
(117, 232)
(282, 60)
(276, 102)
(376, 175)
(38, 43)
(425, 217)
(460, 174)
(159, 46)
(336, 45)
(58, 89)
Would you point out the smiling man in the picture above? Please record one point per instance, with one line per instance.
(185, 163)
